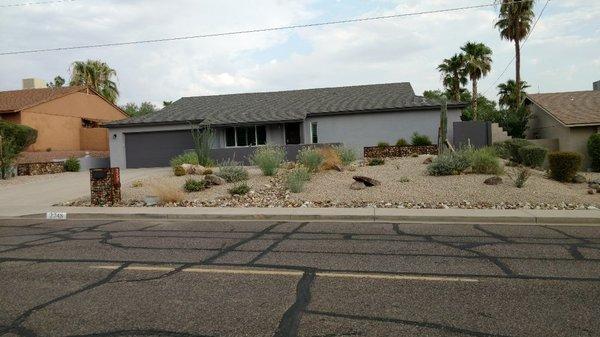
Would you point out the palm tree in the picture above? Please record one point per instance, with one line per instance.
(454, 74)
(96, 75)
(478, 63)
(508, 93)
(514, 23)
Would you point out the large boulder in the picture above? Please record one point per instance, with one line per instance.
(197, 169)
(495, 180)
(369, 182)
(358, 185)
(212, 179)
(579, 179)
(427, 160)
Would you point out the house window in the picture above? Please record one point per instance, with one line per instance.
(314, 137)
(246, 136)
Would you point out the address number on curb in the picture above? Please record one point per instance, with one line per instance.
(56, 215)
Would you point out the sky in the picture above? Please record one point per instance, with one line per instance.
(562, 54)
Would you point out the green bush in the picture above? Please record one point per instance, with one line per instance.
(296, 179)
(402, 142)
(239, 189)
(420, 140)
(72, 165)
(513, 146)
(593, 146)
(311, 158)
(193, 185)
(564, 165)
(232, 172)
(268, 158)
(21, 135)
(522, 177)
(376, 161)
(184, 158)
(383, 144)
(449, 163)
(484, 161)
(501, 150)
(532, 155)
(179, 171)
(347, 154)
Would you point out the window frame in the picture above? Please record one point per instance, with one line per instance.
(314, 133)
(248, 128)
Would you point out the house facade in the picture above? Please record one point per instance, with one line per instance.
(565, 120)
(66, 119)
(356, 116)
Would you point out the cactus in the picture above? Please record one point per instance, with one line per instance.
(443, 130)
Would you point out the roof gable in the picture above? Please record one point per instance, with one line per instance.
(17, 100)
(570, 108)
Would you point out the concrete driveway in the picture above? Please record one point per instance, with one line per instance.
(37, 195)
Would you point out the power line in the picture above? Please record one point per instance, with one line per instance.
(239, 32)
(36, 3)
(522, 44)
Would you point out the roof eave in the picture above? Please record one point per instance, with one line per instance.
(398, 109)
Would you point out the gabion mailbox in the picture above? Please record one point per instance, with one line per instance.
(105, 184)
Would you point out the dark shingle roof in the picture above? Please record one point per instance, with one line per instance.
(292, 105)
(571, 108)
(17, 100)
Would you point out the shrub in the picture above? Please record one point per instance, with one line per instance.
(239, 189)
(203, 138)
(532, 155)
(404, 179)
(593, 146)
(137, 184)
(311, 158)
(331, 158)
(168, 193)
(8, 154)
(522, 177)
(21, 135)
(268, 158)
(179, 171)
(420, 140)
(347, 154)
(449, 163)
(232, 172)
(184, 158)
(72, 165)
(383, 144)
(376, 161)
(193, 185)
(564, 165)
(402, 142)
(207, 172)
(484, 161)
(513, 146)
(296, 179)
(501, 150)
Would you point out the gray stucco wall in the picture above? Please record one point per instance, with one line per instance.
(361, 130)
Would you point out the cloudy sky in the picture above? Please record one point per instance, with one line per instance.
(562, 54)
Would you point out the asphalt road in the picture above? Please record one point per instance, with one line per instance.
(186, 278)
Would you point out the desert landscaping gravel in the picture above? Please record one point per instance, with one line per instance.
(404, 184)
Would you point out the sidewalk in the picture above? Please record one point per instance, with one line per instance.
(520, 216)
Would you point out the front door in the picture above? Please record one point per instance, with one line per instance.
(292, 133)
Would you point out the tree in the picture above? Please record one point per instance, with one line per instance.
(454, 74)
(57, 83)
(133, 110)
(166, 103)
(514, 23)
(96, 75)
(478, 63)
(14, 138)
(508, 94)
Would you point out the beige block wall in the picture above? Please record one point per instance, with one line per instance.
(95, 139)
(58, 133)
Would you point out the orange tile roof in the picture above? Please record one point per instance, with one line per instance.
(17, 100)
(571, 108)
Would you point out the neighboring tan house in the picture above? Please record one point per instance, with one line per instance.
(357, 116)
(66, 119)
(564, 120)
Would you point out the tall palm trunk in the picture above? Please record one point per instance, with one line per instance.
(456, 88)
(517, 74)
(474, 98)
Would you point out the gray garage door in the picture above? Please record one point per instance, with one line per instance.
(155, 149)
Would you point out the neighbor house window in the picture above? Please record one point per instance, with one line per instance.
(314, 137)
(246, 135)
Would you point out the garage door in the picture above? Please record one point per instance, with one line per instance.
(155, 149)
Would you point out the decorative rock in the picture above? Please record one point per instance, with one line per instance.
(591, 191)
(197, 169)
(427, 160)
(369, 182)
(358, 185)
(189, 168)
(352, 167)
(594, 186)
(495, 180)
(338, 167)
(212, 179)
(579, 179)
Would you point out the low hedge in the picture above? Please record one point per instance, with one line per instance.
(564, 165)
(532, 155)
(593, 146)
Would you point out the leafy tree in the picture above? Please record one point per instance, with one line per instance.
(57, 83)
(454, 75)
(507, 92)
(478, 63)
(14, 138)
(96, 75)
(514, 23)
(134, 110)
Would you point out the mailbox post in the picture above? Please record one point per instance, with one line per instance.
(105, 185)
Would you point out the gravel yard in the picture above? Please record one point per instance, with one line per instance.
(404, 183)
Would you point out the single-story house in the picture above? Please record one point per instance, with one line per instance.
(66, 118)
(357, 116)
(564, 120)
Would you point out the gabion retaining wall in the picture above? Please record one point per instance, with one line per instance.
(34, 169)
(398, 151)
